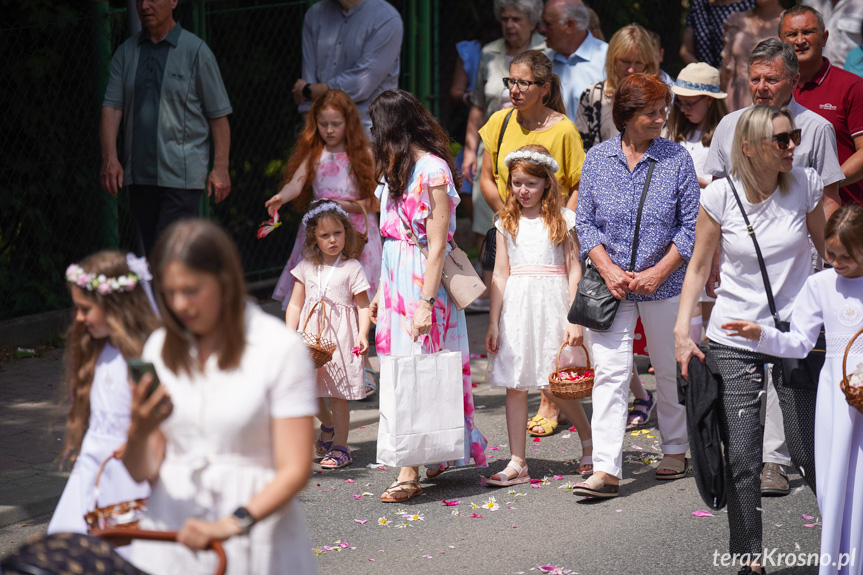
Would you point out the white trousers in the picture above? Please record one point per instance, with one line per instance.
(612, 354)
(774, 448)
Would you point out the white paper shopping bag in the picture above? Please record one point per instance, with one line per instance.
(421, 409)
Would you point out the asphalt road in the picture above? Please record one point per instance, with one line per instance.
(649, 528)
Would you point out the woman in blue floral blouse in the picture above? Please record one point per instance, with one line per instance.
(612, 181)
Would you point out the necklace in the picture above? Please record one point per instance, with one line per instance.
(535, 124)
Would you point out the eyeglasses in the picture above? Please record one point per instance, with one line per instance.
(782, 140)
(684, 106)
(523, 85)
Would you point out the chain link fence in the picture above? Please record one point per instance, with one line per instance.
(54, 70)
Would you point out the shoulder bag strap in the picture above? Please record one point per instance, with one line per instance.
(638, 217)
(500, 141)
(770, 301)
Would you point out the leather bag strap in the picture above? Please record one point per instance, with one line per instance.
(500, 141)
(638, 217)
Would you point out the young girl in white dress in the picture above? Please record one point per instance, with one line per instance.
(832, 298)
(113, 319)
(330, 277)
(535, 255)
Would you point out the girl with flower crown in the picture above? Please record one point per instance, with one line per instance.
(535, 254)
(330, 281)
(113, 318)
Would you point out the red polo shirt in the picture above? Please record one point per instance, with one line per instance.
(837, 96)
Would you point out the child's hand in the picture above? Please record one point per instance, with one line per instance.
(491, 338)
(746, 329)
(574, 334)
(362, 345)
(273, 204)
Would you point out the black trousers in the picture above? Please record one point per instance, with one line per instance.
(740, 424)
(156, 207)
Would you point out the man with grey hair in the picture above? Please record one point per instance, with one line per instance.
(577, 57)
(774, 73)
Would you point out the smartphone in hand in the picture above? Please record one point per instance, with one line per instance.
(137, 369)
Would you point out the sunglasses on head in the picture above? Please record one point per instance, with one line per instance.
(782, 140)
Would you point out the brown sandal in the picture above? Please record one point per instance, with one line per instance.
(402, 491)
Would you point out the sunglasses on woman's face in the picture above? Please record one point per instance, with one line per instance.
(782, 139)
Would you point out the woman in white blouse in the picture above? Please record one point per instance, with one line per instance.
(225, 438)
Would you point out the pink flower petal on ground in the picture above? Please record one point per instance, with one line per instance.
(619, 510)
(492, 448)
(344, 545)
(349, 480)
(807, 517)
(362, 427)
(558, 477)
(636, 447)
(370, 559)
(475, 516)
(426, 556)
(536, 486)
(451, 502)
(572, 428)
(536, 440)
(702, 513)
(532, 481)
(361, 521)
(358, 496)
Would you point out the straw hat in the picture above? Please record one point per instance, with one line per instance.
(698, 79)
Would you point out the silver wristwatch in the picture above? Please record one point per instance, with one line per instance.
(243, 520)
(430, 300)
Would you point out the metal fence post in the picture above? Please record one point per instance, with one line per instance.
(199, 25)
(102, 62)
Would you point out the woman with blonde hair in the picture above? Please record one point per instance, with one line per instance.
(630, 51)
(783, 205)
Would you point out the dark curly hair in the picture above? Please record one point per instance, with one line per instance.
(311, 251)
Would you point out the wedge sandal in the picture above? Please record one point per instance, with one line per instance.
(504, 480)
(596, 487)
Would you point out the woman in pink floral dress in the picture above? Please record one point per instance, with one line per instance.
(412, 305)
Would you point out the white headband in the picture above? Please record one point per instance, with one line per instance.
(534, 157)
(324, 207)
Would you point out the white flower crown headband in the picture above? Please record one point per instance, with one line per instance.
(533, 157)
(103, 285)
(324, 207)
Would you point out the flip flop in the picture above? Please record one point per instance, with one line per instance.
(547, 425)
(409, 489)
(672, 464)
(595, 487)
(503, 480)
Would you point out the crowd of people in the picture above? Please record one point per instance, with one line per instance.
(706, 204)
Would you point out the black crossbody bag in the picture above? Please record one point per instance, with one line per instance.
(594, 306)
(488, 249)
(796, 373)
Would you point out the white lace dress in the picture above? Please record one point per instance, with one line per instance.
(535, 304)
(110, 406)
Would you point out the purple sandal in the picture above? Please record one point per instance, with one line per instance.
(323, 447)
(340, 454)
(641, 408)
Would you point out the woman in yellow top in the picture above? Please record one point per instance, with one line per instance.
(538, 117)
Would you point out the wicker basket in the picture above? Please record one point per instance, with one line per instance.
(853, 395)
(320, 348)
(566, 389)
(124, 515)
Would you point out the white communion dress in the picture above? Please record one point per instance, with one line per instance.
(535, 303)
(110, 407)
(837, 303)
